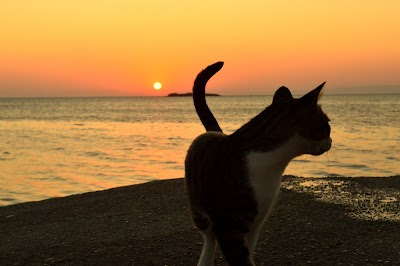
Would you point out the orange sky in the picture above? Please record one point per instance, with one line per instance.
(105, 48)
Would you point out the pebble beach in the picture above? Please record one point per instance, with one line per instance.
(316, 221)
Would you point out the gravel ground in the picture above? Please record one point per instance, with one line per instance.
(324, 221)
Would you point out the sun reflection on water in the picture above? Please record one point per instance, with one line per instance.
(53, 155)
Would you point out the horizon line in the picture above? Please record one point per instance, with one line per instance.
(166, 96)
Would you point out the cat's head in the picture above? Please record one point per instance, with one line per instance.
(309, 124)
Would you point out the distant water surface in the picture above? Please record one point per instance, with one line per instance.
(52, 147)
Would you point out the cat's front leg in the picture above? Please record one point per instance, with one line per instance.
(209, 249)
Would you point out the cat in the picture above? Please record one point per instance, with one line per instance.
(232, 181)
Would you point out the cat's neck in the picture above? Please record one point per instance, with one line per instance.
(276, 160)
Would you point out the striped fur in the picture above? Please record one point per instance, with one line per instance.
(232, 181)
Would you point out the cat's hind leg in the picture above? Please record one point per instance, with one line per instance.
(234, 247)
(209, 248)
(204, 225)
(252, 238)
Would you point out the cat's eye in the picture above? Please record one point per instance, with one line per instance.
(325, 130)
(321, 132)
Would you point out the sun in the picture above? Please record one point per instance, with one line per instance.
(157, 85)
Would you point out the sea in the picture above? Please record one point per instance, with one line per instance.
(54, 147)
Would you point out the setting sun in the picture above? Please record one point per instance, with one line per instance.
(157, 85)
(95, 48)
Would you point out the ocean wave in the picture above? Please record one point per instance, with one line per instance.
(95, 154)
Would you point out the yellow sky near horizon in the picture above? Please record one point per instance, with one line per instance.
(103, 48)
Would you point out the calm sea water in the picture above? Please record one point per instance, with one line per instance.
(52, 147)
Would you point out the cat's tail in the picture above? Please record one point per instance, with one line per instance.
(199, 97)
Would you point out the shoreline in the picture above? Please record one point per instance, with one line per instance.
(13, 201)
(316, 221)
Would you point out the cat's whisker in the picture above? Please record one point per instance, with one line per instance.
(333, 153)
(303, 163)
(328, 155)
(332, 158)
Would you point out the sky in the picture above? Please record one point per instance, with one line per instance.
(121, 48)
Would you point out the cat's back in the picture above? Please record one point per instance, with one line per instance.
(204, 147)
(210, 137)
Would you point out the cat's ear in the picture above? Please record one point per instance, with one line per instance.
(313, 96)
(282, 94)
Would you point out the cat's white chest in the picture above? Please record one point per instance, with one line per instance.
(265, 173)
